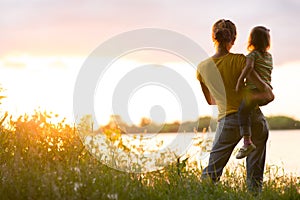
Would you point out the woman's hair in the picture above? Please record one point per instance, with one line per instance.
(259, 39)
(223, 32)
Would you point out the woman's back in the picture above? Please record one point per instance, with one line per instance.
(220, 76)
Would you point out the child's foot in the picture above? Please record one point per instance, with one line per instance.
(245, 151)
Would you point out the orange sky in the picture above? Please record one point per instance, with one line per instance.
(44, 43)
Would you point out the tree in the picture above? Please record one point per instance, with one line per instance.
(145, 122)
(283, 122)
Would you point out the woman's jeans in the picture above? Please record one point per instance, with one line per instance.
(227, 137)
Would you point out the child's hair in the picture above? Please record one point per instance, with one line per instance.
(259, 39)
(223, 32)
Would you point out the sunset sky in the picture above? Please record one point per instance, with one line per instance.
(45, 43)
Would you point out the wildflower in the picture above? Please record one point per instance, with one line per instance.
(77, 186)
(76, 169)
(112, 196)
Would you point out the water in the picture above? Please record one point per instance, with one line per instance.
(283, 149)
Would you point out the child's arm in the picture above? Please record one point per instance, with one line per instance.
(246, 71)
(210, 100)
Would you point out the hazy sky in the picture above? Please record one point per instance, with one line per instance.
(45, 42)
(73, 27)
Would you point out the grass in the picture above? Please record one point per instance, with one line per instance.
(42, 160)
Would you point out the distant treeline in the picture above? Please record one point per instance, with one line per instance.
(201, 125)
(282, 122)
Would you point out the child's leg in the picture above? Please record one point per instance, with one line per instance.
(251, 100)
(244, 120)
(244, 113)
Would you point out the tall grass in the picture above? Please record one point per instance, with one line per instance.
(44, 160)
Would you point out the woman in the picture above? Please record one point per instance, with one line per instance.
(218, 76)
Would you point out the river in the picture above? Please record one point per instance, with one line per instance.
(283, 149)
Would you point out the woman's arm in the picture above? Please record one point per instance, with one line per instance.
(265, 95)
(258, 82)
(210, 100)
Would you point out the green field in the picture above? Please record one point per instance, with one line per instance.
(43, 160)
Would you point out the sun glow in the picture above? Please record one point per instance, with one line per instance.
(44, 83)
(47, 83)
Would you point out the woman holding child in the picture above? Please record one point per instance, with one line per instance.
(218, 76)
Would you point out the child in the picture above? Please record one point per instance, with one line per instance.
(259, 62)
